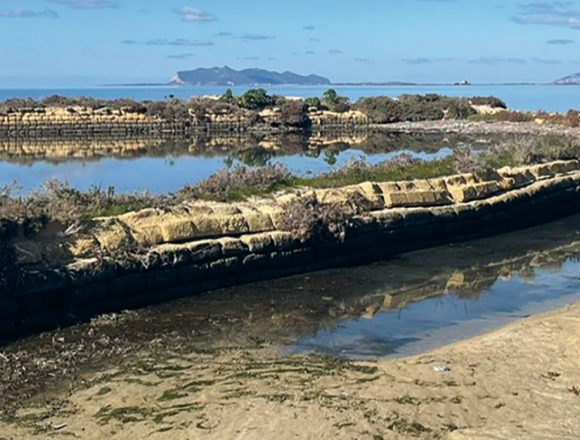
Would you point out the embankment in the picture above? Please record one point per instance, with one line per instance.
(61, 274)
(81, 123)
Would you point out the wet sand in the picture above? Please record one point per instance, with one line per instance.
(522, 381)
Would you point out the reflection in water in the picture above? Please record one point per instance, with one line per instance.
(406, 305)
(128, 165)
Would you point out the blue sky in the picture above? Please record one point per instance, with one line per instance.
(87, 42)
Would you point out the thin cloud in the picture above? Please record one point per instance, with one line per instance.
(492, 61)
(256, 37)
(86, 4)
(180, 56)
(246, 38)
(560, 42)
(549, 62)
(335, 52)
(309, 28)
(194, 15)
(417, 61)
(314, 40)
(424, 60)
(363, 60)
(180, 42)
(555, 13)
(23, 13)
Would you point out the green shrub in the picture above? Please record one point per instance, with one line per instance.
(255, 99)
(334, 102)
(492, 101)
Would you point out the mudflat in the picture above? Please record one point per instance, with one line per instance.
(521, 381)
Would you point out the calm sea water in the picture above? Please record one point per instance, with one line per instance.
(521, 97)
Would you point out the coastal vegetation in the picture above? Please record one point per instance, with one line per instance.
(290, 112)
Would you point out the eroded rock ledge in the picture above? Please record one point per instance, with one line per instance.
(105, 264)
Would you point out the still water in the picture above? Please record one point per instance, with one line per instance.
(168, 173)
(405, 305)
(520, 97)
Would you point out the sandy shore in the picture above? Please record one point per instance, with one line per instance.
(522, 381)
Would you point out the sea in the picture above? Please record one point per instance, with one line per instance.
(175, 168)
(533, 97)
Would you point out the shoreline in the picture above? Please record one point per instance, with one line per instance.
(519, 381)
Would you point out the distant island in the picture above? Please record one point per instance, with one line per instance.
(226, 76)
(573, 79)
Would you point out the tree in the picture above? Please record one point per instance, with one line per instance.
(313, 102)
(228, 97)
(255, 99)
(335, 102)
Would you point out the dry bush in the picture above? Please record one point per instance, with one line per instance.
(294, 114)
(238, 183)
(527, 150)
(57, 201)
(309, 219)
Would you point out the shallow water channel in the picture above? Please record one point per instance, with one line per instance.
(407, 305)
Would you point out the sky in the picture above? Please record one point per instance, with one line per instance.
(81, 43)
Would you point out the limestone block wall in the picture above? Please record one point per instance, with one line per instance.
(349, 119)
(155, 255)
(84, 122)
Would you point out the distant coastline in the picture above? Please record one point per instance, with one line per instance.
(340, 84)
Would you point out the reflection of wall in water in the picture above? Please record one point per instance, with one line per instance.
(235, 144)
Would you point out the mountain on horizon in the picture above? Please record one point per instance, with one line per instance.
(573, 79)
(226, 76)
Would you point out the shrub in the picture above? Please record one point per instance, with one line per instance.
(294, 114)
(334, 102)
(238, 183)
(309, 219)
(492, 101)
(228, 97)
(504, 116)
(313, 103)
(380, 109)
(57, 201)
(255, 99)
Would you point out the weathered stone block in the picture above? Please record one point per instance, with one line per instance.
(474, 191)
(232, 246)
(112, 234)
(204, 250)
(81, 272)
(208, 226)
(177, 229)
(258, 243)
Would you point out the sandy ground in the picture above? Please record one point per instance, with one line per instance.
(522, 381)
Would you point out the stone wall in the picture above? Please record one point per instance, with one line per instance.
(154, 255)
(77, 123)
